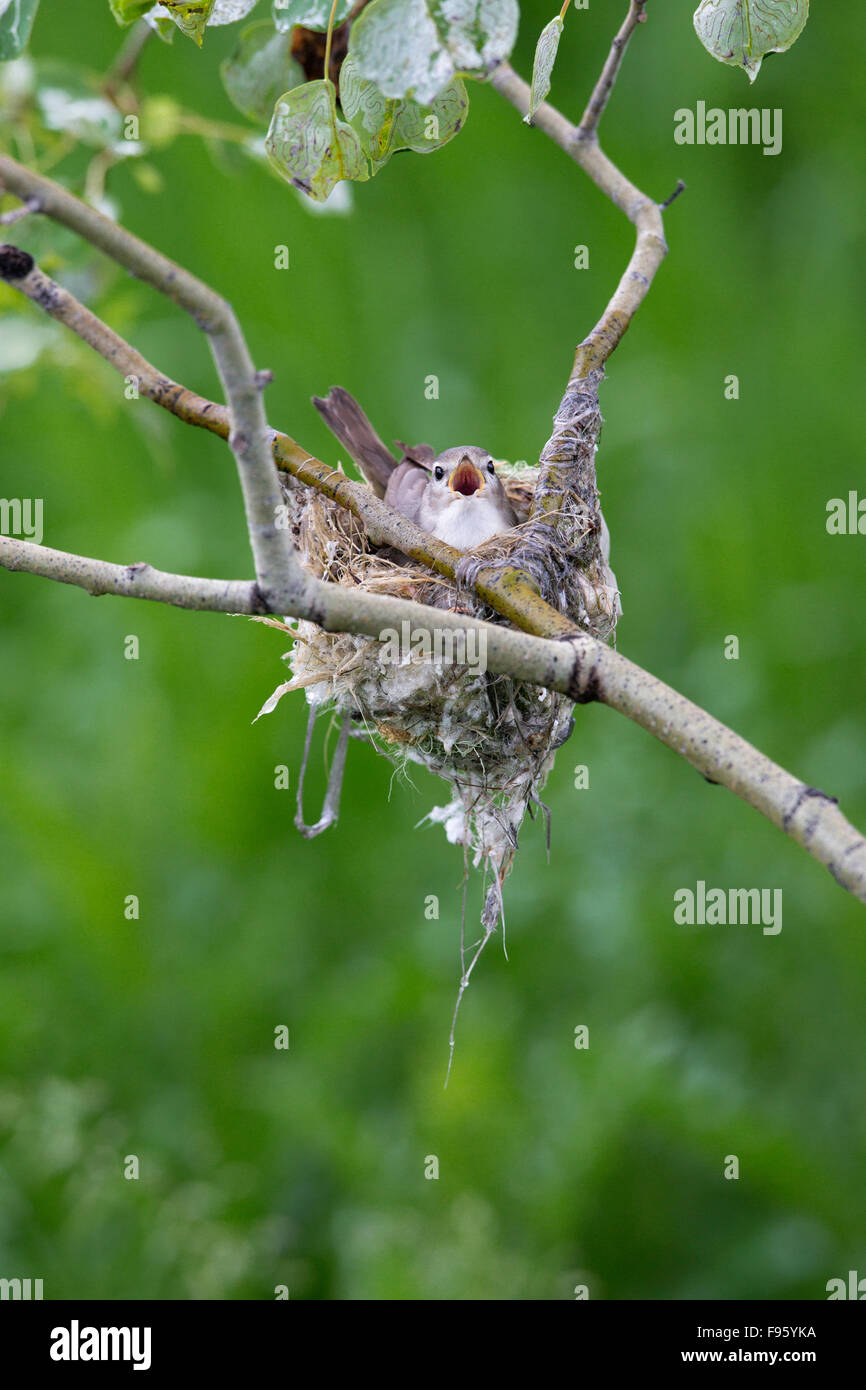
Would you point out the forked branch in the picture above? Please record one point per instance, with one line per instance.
(577, 423)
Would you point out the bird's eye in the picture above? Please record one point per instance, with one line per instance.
(438, 472)
(491, 467)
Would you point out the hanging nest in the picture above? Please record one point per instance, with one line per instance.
(491, 738)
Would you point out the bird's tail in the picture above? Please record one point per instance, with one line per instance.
(345, 418)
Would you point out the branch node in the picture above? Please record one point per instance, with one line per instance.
(15, 264)
(584, 687)
(803, 795)
(259, 602)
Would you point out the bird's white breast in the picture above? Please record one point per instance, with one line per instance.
(468, 521)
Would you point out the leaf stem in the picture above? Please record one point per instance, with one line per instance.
(329, 36)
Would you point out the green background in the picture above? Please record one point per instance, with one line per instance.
(306, 1168)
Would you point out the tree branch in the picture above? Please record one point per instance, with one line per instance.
(507, 591)
(650, 247)
(132, 581)
(580, 667)
(604, 85)
(566, 489)
(284, 584)
(549, 663)
(577, 664)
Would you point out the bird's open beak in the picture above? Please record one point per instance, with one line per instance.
(466, 478)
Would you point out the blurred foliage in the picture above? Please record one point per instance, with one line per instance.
(155, 1037)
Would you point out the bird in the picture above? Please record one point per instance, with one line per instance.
(457, 496)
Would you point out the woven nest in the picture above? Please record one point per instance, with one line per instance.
(491, 738)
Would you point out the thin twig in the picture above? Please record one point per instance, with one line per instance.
(604, 85)
(680, 188)
(8, 219)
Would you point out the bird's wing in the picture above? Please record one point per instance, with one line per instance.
(345, 418)
(406, 488)
(417, 453)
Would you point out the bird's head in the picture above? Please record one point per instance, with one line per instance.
(465, 473)
(464, 502)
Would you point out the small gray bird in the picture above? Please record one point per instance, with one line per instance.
(456, 495)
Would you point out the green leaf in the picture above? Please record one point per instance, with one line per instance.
(128, 11)
(312, 14)
(542, 67)
(190, 16)
(260, 69)
(309, 145)
(415, 47)
(742, 32)
(385, 126)
(16, 21)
